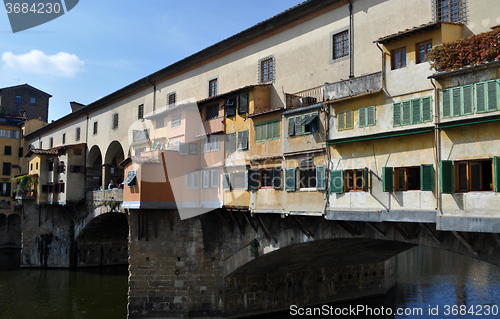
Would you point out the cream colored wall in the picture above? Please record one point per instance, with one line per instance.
(481, 16)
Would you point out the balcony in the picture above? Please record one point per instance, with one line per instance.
(305, 98)
(213, 126)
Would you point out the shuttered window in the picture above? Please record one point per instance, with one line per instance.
(183, 148)
(345, 120)
(231, 106)
(356, 180)
(206, 179)
(230, 142)
(226, 181)
(277, 177)
(412, 112)
(366, 116)
(253, 179)
(243, 103)
(303, 124)
(446, 177)
(469, 99)
(290, 179)
(337, 181)
(192, 181)
(321, 177)
(487, 96)
(243, 140)
(267, 131)
(388, 179)
(407, 178)
(475, 175)
(427, 177)
(496, 173)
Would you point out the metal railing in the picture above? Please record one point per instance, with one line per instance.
(305, 98)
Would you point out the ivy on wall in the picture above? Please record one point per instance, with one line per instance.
(474, 50)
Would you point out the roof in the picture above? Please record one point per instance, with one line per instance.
(25, 85)
(51, 151)
(415, 30)
(465, 69)
(278, 109)
(235, 42)
(140, 160)
(235, 91)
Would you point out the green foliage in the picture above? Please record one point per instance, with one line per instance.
(26, 183)
(474, 50)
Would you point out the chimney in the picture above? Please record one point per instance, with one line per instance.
(75, 106)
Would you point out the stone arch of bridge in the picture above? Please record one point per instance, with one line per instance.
(94, 170)
(111, 169)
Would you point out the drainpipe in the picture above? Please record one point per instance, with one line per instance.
(154, 93)
(383, 65)
(86, 155)
(351, 40)
(437, 145)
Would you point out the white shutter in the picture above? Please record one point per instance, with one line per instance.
(215, 179)
(206, 179)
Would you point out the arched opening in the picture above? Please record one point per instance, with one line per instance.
(94, 170)
(111, 171)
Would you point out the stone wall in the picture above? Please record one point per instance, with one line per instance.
(10, 231)
(40, 110)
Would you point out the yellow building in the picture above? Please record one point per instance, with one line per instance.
(10, 143)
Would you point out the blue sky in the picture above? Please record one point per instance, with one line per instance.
(102, 46)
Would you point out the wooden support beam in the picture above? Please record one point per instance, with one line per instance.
(224, 220)
(465, 243)
(408, 231)
(375, 228)
(436, 239)
(156, 225)
(351, 230)
(264, 228)
(242, 230)
(249, 221)
(399, 230)
(497, 238)
(302, 227)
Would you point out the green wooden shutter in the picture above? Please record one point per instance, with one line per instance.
(492, 95)
(290, 179)
(246, 181)
(457, 101)
(446, 102)
(337, 181)
(365, 179)
(349, 119)
(341, 118)
(370, 116)
(277, 177)
(320, 177)
(426, 109)
(291, 126)
(243, 103)
(276, 129)
(362, 117)
(258, 132)
(475, 176)
(253, 179)
(426, 177)
(468, 105)
(496, 173)
(406, 110)
(446, 177)
(396, 114)
(388, 179)
(298, 125)
(226, 181)
(416, 112)
(480, 98)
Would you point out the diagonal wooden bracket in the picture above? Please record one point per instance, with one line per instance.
(351, 230)
(465, 243)
(399, 230)
(302, 227)
(264, 228)
(242, 230)
(434, 236)
(249, 221)
(375, 228)
(224, 220)
(408, 231)
(497, 238)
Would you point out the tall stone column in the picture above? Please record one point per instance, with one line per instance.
(106, 175)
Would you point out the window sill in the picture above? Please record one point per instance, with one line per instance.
(308, 189)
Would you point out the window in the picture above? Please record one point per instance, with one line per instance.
(206, 179)
(267, 131)
(51, 142)
(215, 179)
(2, 133)
(356, 180)
(238, 180)
(212, 87)
(398, 58)
(140, 112)
(211, 112)
(192, 181)
(20, 152)
(303, 124)
(193, 148)
(77, 134)
(138, 151)
(140, 135)
(32, 100)
(18, 102)
(243, 140)
(226, 182)
(13, 134)
(176, 120)
(412, 112)
(95, 128)
(243, 103)
(171, 99)
(266, 71)
(423, 50)
(5, 189)
(366, 116)
(160, 122)
(8, 150)
(115, 121)
(230, 142)
(231, 106)
(51, 166)
(211, 144)
(64, 138)
(266, 177)
(407, 178)
(449, 10)
(36, 165)
(307, 177)
(345, 120)
(474, 175)
(131, 179)
(340, 45)
(6, 169)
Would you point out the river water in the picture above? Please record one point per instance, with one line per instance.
(426, 278)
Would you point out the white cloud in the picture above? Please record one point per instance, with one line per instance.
(61, 64)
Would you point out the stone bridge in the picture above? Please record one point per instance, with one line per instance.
(229, 263)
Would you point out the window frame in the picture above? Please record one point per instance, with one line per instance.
(211, 112)
(456, 172)
(115, 121)
(333, 38)
(398, 52)
(6, 169)
(269, 172)
(418, 59)
(32, 100)
(312, 170)
(213, 84)
(404, 170)
(140, 112)
(95, 128)
(174, 122)
(77, 134)
(192, 180)
(267, 69)
(355, 177)
(9, 152)
(171, 96)
(346, 126)
(363, 112)
(266, 124)
(449, 17)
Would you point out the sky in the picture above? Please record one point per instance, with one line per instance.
(101, 46)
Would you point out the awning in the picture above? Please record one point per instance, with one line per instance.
(308, 119)
(130, 177)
